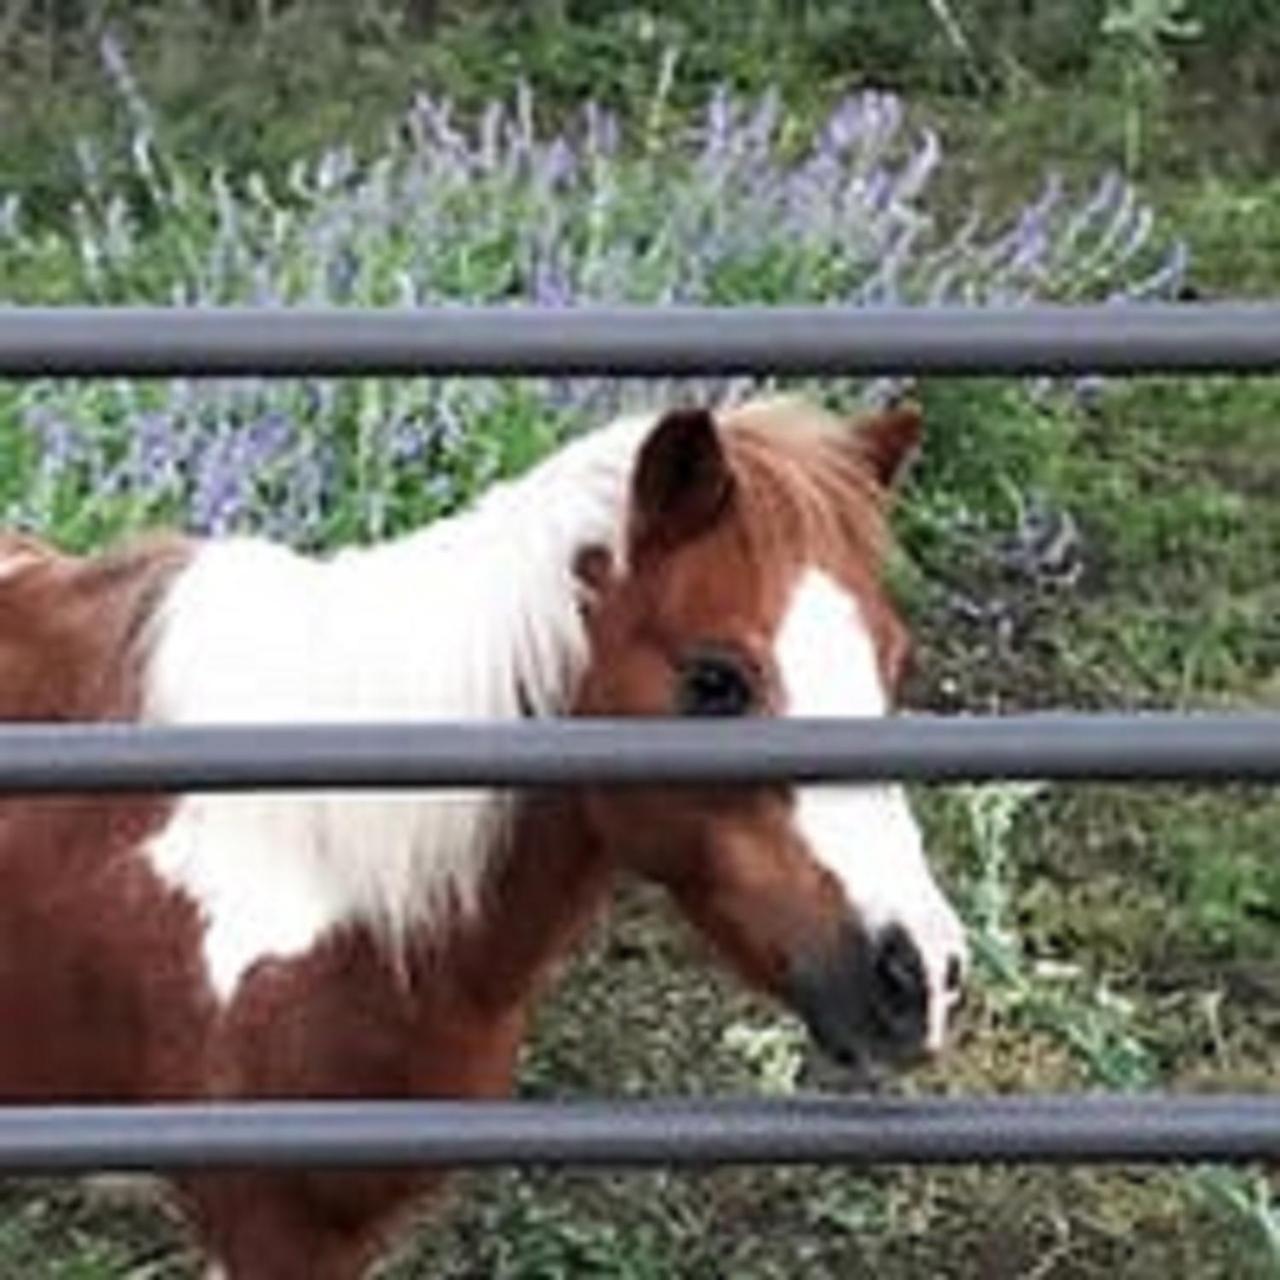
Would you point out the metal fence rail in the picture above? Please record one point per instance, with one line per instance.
(638, 342)
(634, 341)
(86, 757)
(810, 1130)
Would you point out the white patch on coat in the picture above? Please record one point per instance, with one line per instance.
(474, 617)
(866, 835)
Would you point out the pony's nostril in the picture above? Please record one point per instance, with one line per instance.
(901, 987)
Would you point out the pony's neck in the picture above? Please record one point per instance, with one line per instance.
(489, 600)
(478, 617)
(543, 891)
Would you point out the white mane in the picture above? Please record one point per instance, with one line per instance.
(474, 617)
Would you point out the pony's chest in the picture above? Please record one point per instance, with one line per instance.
(346, 1020)
(272, 876)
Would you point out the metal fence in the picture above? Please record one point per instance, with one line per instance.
(630, 341)
(637, 342)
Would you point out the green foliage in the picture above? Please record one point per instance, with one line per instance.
(1234, 230)
(540, 1242)
(1245, 1201)
(1137, 36)
(259, 83)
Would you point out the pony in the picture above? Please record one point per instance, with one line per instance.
(321, 945)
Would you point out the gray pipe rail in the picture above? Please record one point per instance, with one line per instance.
(1054, 1129)
(638, 341)
(638, 752)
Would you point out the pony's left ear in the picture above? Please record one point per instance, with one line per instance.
(888, 440)
(681, 483)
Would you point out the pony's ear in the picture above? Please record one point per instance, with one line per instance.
(888, 440)
(20, 552)
(681, 481)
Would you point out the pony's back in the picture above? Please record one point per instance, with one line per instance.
(73, 629)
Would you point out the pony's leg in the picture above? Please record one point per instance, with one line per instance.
(287, 1254)
(280, 1269)
(282, 1226)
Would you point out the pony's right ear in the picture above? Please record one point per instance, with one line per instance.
(681, 482)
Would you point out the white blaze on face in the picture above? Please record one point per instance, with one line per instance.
(866, 835)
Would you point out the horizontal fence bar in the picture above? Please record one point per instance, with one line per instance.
(1155, 747)
(638, 341)
(804, 1130)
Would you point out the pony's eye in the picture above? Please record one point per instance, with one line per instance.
(714, 684)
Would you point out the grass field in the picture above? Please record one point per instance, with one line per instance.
(1082, 544)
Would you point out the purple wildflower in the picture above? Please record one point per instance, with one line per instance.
(501, 210)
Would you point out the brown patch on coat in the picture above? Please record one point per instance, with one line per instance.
(109, 940)
(72, 629)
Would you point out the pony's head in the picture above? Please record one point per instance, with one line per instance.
(749, 584)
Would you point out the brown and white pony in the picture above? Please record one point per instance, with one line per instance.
(390, 945)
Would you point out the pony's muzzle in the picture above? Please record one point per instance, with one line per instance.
(899, 995)
(876, 999)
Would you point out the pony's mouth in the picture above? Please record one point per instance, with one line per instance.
(848, 1058)
(823, 1072)
(847, 1055)
(865, 1004)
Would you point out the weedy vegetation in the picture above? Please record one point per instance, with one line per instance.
(1065, 543)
